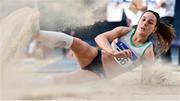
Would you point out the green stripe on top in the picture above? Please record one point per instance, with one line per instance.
(146, 45)
(131, 40)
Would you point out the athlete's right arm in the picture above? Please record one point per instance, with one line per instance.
(103, 40)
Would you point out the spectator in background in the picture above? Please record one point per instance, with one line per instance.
(165, 8)
(134, 9)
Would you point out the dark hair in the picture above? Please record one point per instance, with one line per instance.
(164, 34)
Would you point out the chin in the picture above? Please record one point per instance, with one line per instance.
(142, 35)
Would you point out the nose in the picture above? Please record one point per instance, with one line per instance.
(144, 23)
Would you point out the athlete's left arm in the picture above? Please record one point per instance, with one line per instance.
(148, 60)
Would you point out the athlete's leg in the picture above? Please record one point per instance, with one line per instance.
(111, 67)
(57, 39)
(83, 52)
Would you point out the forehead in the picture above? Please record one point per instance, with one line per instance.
(149, 15)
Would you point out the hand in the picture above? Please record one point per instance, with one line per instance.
(121, 54)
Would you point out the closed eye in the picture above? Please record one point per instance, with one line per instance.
(151, 22)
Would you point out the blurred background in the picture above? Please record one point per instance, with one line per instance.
(84, 19)
(87, 18)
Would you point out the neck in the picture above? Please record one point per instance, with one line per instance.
(138, 40)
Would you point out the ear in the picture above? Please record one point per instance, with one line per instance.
(155, 29)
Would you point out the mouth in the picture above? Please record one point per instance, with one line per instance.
(142, 28)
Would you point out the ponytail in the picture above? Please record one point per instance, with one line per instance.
(165, 35)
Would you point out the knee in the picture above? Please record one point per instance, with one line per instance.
(79, 45)
(77, 41)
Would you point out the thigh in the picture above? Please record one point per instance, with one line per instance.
(111, 67)
(83, 52)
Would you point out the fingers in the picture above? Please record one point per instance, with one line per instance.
(127, 53)
(124, 53)
(119, 54)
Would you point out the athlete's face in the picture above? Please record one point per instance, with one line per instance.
(147, 24)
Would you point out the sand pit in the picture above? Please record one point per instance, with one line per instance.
(28, 84)
(21, 81)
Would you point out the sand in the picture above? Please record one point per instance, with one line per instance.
(16, 31)
(25, 83)
(22, 81)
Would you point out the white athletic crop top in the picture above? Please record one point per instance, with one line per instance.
(125, 42)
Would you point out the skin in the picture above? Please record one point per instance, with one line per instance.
(137, 5)
(160, 4)
(84, 53)
(146, 25)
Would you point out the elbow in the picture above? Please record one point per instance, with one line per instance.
(97, 38)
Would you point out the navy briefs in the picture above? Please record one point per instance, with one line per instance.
(96, 66)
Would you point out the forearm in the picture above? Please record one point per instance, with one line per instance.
(104, 43)
(103, 40)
